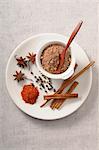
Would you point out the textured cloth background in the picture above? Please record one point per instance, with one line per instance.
(20, 19)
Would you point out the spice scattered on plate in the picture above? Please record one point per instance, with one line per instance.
(30, 94)
(32, 73)
(50, 58)
(31, 57)
(21, 62)
(19, 76)
(44, 83)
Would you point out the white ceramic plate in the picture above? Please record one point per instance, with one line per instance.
(33, 44)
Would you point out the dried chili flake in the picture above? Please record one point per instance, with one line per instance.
(30, 94)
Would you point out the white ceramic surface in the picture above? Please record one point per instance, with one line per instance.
(65, 75)
(33, 44)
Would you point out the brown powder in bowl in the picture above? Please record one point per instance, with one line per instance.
(50, 58)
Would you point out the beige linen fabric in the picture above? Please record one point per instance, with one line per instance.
(20, 19)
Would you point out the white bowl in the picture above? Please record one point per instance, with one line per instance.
(66, 74)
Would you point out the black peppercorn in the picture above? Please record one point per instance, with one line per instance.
(32, 73)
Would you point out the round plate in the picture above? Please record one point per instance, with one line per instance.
(33, 44)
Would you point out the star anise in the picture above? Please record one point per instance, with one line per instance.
(19, 76)
(31, 57)
(21, 62)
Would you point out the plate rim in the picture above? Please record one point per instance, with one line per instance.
(9, 59)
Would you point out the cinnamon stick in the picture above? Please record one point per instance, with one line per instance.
(70, 80)
(70, 90)
(61, 96)
(76, 65)
(54, 103)
(44, 103)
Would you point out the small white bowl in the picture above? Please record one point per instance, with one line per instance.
(66, 74)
